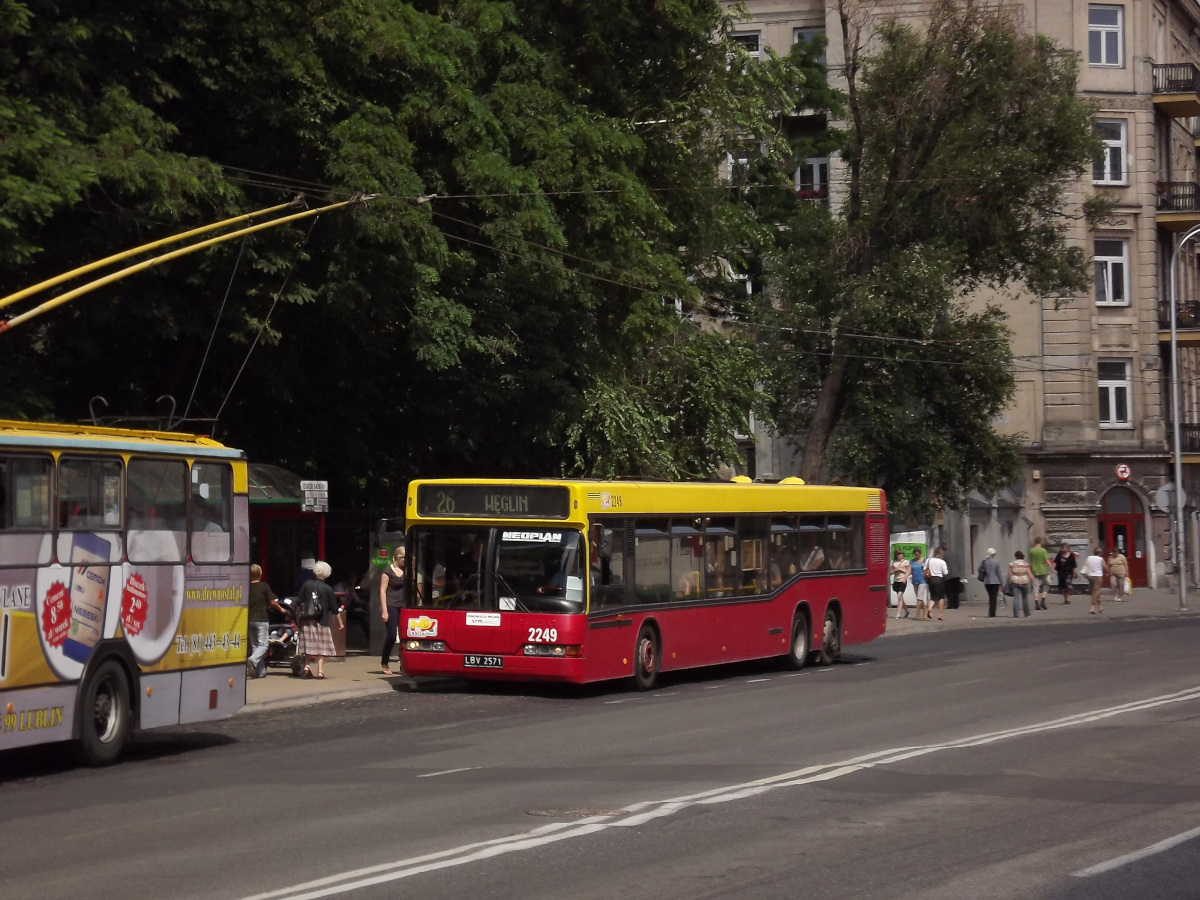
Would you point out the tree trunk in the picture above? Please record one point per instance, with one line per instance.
(823, 419)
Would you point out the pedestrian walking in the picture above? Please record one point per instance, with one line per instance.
(318, 609)
(1095, 568)
(992, 579)
(260, 598)
(391, 599)
(900, 572)
(1039, 568)
(1118, 571)
(1065, 565)
(936, 571)
(1019, 582)
(920, 588)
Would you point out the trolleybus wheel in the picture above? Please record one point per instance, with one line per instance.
(105, 715)
(831, 639)
(645, 658)
(798, 651)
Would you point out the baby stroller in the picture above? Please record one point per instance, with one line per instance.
(281, 637)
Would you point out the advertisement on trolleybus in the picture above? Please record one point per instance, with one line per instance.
(581, 581)
(123, 583)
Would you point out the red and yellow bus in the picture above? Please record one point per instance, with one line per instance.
(124, 570)
(581, 581)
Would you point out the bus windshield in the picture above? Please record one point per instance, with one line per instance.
(507, 569)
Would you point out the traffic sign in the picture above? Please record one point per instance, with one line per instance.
(1123, 471)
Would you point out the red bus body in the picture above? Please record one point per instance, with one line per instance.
(601, 644)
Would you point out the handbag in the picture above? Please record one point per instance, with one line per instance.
(981, 574)
(1008, 589)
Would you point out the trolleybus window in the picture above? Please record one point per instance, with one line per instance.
(25, 510)
(25, 492)
(157, 504)
(89, 494)
(211, 512)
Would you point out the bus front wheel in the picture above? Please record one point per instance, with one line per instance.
(831, 639)
(645, 659)
(798, 651)
(105, 715)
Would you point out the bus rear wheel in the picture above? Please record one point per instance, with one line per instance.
(645, 658)
(106, 715)
(831, 639)
(797, 653)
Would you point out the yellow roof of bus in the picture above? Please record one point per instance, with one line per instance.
(632, 498)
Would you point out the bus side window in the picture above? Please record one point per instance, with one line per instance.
(843, 536)
(752, 534)
(783, 550)
(812, 543)
(608, 570)
(721, 577)
(652, 562)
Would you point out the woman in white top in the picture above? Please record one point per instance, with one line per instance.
(1018, 577)
(936, 571)
(900, 573)
(1095, 568)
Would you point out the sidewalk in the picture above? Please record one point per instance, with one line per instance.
(1145, 603)
(359, 675)
(356, 675)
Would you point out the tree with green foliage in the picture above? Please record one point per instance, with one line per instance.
(961, 142)
(538, 315)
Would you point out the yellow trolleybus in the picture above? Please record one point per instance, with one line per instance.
(123, 581)
(581, 581)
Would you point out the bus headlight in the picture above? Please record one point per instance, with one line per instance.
(430, 646)
(551, 650)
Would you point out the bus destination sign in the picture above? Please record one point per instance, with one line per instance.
(493, 501)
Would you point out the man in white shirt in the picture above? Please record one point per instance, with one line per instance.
(1096, 568)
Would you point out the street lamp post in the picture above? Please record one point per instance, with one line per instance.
(1175, 414)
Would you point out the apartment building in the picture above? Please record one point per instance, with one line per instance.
(1093, 406)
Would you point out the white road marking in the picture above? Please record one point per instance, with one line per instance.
(644, 811)
(448, 772)
(757, 680)
(1152, 850)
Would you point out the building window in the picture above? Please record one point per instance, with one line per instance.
(1106, 26)
(806, 35)
(1112, 272)
(812, 178)
(750, 41)
(1114, 383)
(1109, 167)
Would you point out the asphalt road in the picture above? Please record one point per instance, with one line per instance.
(1049, 762)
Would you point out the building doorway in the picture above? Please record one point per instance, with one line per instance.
(1122, 524)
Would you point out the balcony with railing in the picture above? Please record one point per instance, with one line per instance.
(1177, 89)
(1178, 205)
(1187, 314)
(1189, 438)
